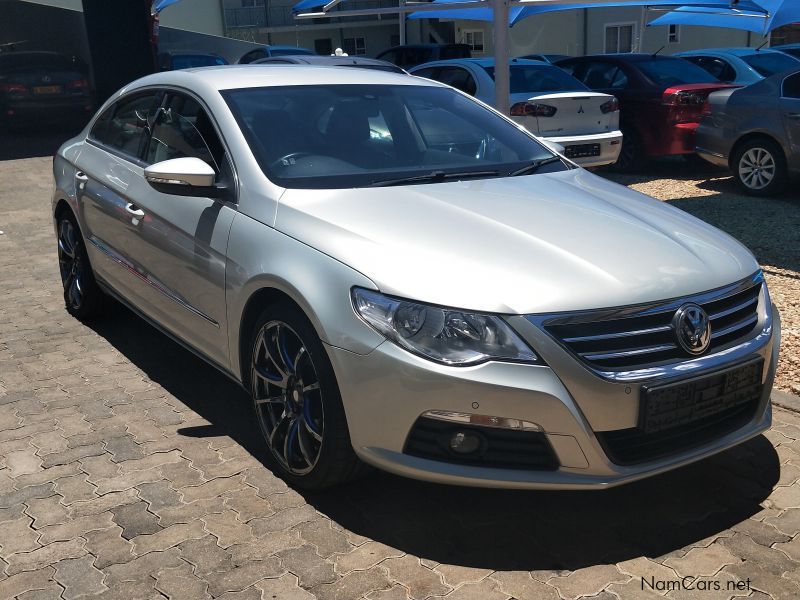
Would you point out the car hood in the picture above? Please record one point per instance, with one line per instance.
(517, 245)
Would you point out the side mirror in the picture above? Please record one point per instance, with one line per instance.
(187, 176)
(554, 146)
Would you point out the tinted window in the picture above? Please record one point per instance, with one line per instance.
(39, 60)
(390, 56)
(791, 86)
(427, 73)
(532, 78)
(182, 128)
(253, 55)
(770, 63)
(341, 136)
(448, 52)
(791, 51)
(673, 71)
(288, 51)
(717, 67)
(604, 75)
(461, 79)
(126, 128)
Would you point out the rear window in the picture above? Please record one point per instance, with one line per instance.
(189, 61)
(674, 71)
(540, 78)
(37, 60)
(449, 52)
(769, 63)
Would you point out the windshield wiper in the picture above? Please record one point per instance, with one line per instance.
(534, 166)
(433, 176)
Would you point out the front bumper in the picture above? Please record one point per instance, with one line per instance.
(610, 145)
(387, 390)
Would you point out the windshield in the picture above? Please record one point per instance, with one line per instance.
(540, 78)
(769, 63)
(341, 136)
(674, 71)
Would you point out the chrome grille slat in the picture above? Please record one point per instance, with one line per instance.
(626, 353)
(735, 309)
(633, 338)
(621, 334)
(735, 327)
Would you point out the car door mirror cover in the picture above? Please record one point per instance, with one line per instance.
(191, 175)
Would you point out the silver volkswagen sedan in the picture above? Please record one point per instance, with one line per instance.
(404, 278)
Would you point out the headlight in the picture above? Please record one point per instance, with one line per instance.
(449, 336)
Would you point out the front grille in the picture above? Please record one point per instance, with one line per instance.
(502, 448)
(637, 338)
(631, 446)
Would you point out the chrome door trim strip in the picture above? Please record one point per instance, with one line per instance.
(146, 278)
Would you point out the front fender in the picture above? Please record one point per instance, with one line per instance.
(261, 257)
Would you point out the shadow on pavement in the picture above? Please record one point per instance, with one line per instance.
(492, 529)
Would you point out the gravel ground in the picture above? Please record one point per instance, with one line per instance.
(769, 227)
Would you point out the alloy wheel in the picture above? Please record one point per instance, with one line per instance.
(288, 398)
(71, 264)
(757, 168)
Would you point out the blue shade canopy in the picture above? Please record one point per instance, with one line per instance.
(308, 4)
(758, 16)
(160, 5)
(517, 13)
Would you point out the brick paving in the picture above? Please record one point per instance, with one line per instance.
(130, 469)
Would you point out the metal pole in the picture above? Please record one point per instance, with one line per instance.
(402, 19)
(501, 56)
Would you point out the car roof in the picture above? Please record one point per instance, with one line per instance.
(729, 51)
(483, 62)
(637, 57)
(211, 79)
(325, 60)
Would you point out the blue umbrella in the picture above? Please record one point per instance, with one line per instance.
(517, 13)
(758, 16)
(159, 5)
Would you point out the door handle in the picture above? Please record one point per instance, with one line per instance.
(133, 211)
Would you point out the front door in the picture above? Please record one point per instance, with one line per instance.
(181, 241)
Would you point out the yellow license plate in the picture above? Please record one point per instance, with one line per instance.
(47, 89)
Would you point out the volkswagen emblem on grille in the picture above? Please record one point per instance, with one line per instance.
(692, 328)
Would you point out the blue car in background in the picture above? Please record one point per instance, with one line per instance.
(269, 51)
(741, 66)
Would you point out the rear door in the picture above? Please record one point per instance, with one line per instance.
(180, 241)
(108, 170)
(790, 111)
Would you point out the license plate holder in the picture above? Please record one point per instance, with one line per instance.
(582, 150)
(45, 90)
(675, 404)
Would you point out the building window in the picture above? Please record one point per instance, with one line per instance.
(474, 39)
(674, 34)
(619, 38)
(354, 46)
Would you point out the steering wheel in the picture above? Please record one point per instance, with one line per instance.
(288, 159)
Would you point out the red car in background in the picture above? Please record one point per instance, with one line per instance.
(661, 100)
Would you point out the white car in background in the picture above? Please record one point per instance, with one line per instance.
(546, 100)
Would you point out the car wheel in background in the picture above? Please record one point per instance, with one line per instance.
(630, 155)
(759, 167)
(297, 402)
(82, 296)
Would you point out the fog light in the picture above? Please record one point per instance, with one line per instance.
(464, 442)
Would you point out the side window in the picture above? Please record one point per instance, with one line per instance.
(715, 66)
(100, 128)
(428, 73)
(791, 86)
(182, 128)
(126, 130)
(461, 79)
(571, 68)
(390, 56)
(253, 55)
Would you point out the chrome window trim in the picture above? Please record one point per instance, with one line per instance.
(737, 351)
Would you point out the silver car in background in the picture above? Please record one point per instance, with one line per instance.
(755, 131)
(401, 277)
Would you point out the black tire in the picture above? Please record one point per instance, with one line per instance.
(315, 412)
(83, 298)
(759, 167)
(631, 158)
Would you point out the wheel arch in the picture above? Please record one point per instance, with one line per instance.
(754, 135)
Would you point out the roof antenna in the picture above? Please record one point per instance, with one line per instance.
(766, 41)
(659, 50)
